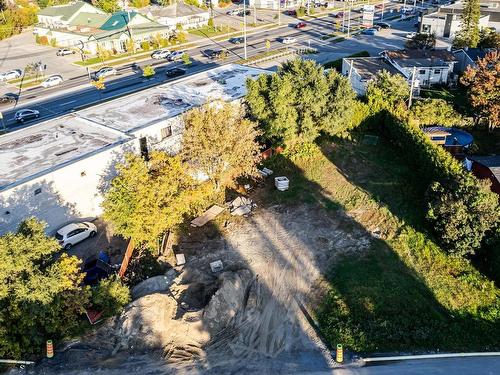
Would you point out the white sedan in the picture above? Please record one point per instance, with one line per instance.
(288, 40)
(52, 81)
(74, 233)
(13, 74)
(160, 54)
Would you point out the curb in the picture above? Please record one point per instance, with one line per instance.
(429, 356)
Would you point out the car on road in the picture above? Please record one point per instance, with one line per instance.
(300, 25)
(410, 35)
(12, 74)
(176, 55)
(236, 40)
(288, 40)
(383, 25)
(52, 81)
(8, 98)
(175, 72)
(160, 54)
(241, 13)
(234, 12)
(26, 114)
(65, 51)
(339, 15)
(105, 72)
(369, 31)
(214, 54)
(73, 233)
(291, 12)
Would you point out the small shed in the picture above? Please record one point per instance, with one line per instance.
(487, 167)
(452, 139)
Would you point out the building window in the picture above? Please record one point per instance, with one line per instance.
(38, 191)
(437, 71)
(421, 71)
(166, 132)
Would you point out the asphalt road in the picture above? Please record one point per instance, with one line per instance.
(447, 366)
(78, 92)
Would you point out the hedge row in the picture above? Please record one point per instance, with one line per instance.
(461, 210)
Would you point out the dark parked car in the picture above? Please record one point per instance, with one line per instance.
(291, 12)
(300, 25)
(383, 25)
(175, 72)
(339, 15)
(242, 13)
(26, 114)
(237, 40)
(214, 54)
(8, 98)
(369, 32)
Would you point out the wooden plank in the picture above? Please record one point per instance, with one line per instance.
(126, 259)
(208, 215)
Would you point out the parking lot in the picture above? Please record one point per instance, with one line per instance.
(21, 50)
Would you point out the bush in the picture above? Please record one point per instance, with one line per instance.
(148, 71)
(461, 209)
(185, 59)
(301, 12)
(110, 296)
(53, 42)
(435, 112)
(44, 41)
(145, 45)
(211, 22)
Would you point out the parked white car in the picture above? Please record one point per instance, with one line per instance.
(74, 233)
(160, 54)
(65, 51)
(411, 35)
(288, 40)
(13, 74)
(105, 72)
(176, 55)
(52, 81)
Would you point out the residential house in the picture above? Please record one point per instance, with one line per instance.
(468, 56)
(429, 67)
(446, 21)
(422, 67)
(80, 25)
(179, 13)
(361, 70)
(487, 167)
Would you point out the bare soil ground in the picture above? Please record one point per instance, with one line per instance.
(243, 319)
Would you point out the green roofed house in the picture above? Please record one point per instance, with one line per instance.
(83, 26)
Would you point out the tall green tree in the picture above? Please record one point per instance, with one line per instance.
(483, 83)
(299, 102)
(109, 6)
(468, 35)
(387, 91)
(435, 112)
(489, 39)
(40, 295)
(462, 213)
(422, 41)
(147, 198)
(220, 143)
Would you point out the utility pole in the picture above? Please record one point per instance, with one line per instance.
(245, 29)
(349, 20)
(255, 15)
(343, 16)
(383, 7)
(308, 7)
(279, 12)
(3, 123)
(411, 86)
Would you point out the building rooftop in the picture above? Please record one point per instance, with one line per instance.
(421, 58)
(35, 149)
(178, 9)
(492, 162)
(38, 149)
(162, 102)
(64, 11)
(368, 67)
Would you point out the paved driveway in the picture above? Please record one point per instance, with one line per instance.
(21, 50)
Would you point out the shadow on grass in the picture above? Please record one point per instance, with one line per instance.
(375, 302)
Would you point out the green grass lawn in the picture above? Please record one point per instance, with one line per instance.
(404, 293)
(207, 31)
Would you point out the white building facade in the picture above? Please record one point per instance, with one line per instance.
(58, 170)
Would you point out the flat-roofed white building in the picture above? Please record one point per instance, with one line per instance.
(58, 170)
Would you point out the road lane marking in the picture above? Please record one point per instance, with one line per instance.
(71, 101)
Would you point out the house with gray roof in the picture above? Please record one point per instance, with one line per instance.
(87, 28)
(179, 13)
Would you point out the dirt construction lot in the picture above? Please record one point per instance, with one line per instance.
(243, 319)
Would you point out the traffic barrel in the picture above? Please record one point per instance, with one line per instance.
(50, 349)
(340, 354)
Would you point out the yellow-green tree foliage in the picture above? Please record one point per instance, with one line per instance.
(40, 295)
(147, 198)
(220, 143)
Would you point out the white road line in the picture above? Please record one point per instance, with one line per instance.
(71, 101)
